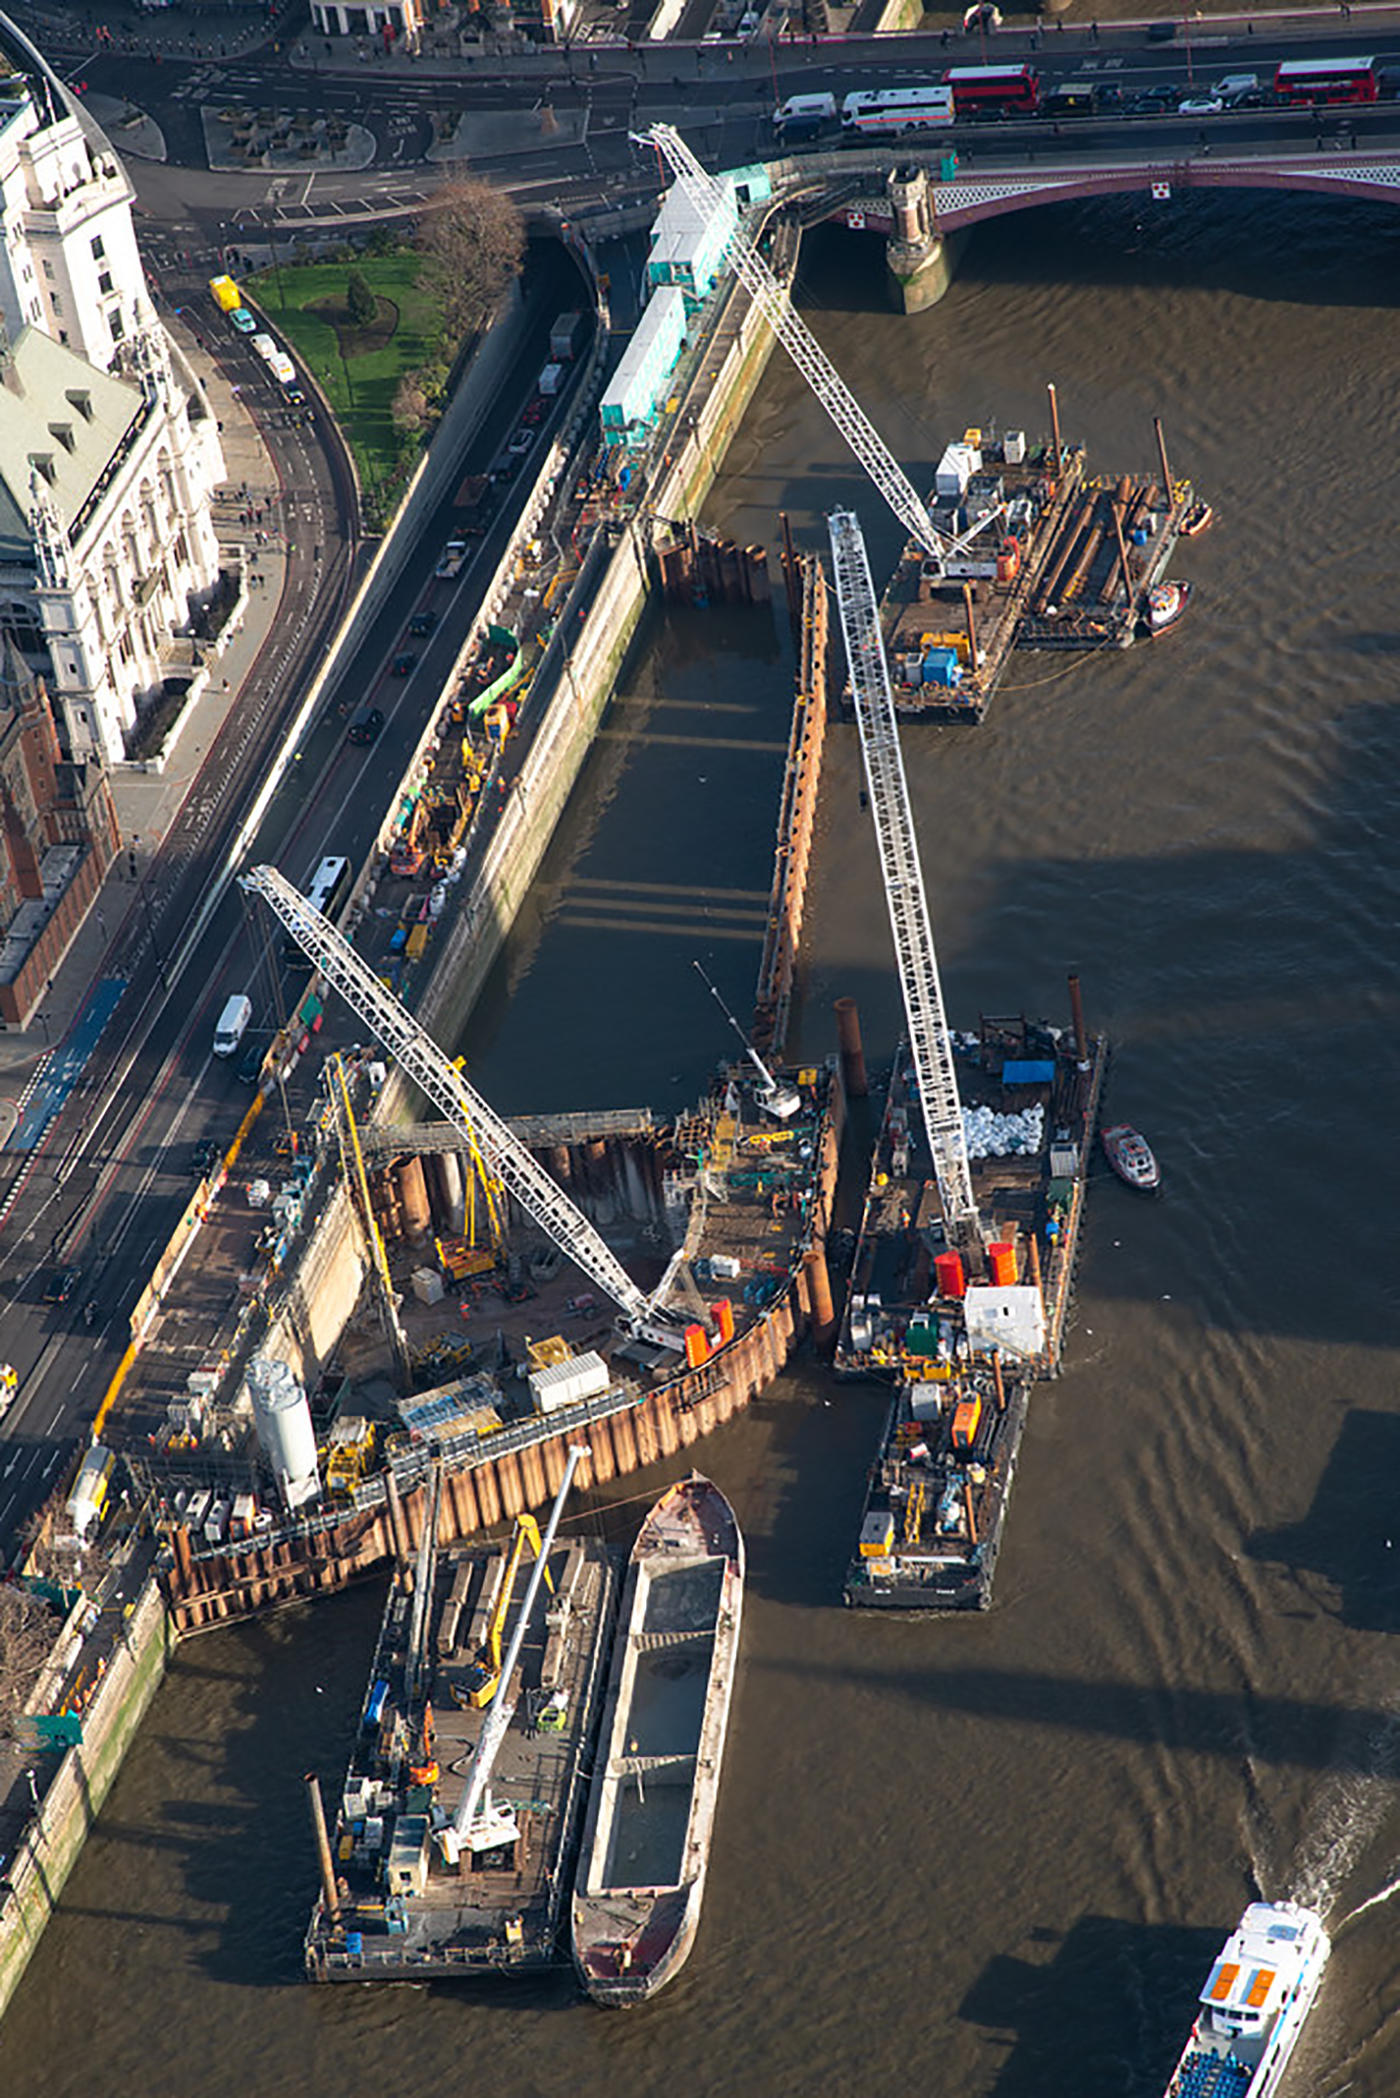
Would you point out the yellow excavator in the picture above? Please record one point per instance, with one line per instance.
(484, 1674)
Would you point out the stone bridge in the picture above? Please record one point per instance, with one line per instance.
(915, 200)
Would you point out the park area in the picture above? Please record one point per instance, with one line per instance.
(361, 359)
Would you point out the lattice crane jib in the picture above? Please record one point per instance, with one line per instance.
(900, 868)
(806, 352)
(519, 1172)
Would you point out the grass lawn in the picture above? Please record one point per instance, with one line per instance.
(307, 304)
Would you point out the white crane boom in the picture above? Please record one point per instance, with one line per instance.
(801, 345)
(903, 876)
(419, 1056)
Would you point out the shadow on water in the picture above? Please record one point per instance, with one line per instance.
(1102, 2010)
(1341, 253)
(1289, 1732)
(1345, 1554)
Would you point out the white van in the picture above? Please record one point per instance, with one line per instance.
(803, 116)
(1237, 88)
(233, 1023)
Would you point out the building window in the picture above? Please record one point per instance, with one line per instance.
(48, 267)
(104, 282)
(57, 302)
(117, 325)
(98, 251)
(63, 335)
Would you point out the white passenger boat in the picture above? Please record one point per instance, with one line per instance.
(1253, 2005)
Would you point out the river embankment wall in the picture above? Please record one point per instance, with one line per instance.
(35, 1876)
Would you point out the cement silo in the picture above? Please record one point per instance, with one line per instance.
(283, 1421)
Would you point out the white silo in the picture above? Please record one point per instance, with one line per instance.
(283, 1421)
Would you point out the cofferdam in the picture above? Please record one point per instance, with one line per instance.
(996, 1855)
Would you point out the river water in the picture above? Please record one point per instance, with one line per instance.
(992, 1856)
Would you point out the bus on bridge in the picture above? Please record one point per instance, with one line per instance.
(1301, 80)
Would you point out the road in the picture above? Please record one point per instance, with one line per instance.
(116, 1168)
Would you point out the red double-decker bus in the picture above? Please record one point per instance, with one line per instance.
(993, 91)
(1327, 80)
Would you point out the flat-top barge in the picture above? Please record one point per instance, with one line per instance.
(1044, 557)
(651, 1812)
(964, 1332)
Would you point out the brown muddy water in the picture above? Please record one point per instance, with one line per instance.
(992, 1858)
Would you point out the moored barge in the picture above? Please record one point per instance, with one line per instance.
(646, 1846)
(964, 1332)
(400, 1910)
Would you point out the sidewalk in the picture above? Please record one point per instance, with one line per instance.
(148, 804)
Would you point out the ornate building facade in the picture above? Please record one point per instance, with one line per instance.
(109, 454)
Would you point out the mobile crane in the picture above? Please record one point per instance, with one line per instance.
(484, 1673)
(905, 898)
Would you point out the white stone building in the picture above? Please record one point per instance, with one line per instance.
(108, 451)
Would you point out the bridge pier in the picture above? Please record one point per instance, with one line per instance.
(918, 256)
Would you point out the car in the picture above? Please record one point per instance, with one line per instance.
(60, 1285)
(535, 411)
(404, 663)
(250, 1070)
(422, 623)
(365, 724)
(9, 1386)
(1153, 98)
(243, 320)
(521, 442)
(207, 1154)
(1200, 106)
(265, 346)
(296, 396)
(1161, 32)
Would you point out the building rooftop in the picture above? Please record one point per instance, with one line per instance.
(60, 419)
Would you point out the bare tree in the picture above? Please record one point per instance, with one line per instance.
(474, 238)
(27, 1629)
(410, 408)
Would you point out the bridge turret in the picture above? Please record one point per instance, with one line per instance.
(914, 250)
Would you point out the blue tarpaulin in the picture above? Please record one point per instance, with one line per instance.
(1027, 1072)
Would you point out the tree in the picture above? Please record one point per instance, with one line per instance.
(473, 237)
(360, 300)
(410, 409)
(27, 1632)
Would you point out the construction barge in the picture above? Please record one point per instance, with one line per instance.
(965, 1331)
(1044, 557)
(450, 1730)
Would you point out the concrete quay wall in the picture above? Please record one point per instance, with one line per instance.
(38, 1871)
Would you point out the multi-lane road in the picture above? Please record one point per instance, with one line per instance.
(116, 1166)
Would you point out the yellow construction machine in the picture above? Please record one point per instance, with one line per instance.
(484, 1674)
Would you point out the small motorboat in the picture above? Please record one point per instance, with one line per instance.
(1196, 520)
(1130, 1156)
(1165, 604)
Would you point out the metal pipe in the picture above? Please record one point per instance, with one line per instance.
(791, 577)
(1162, 455)
(1123, 554)
(997, 1380)
(1076, 1013)
(971, 629)
(499, 1711)
(330, 1894)
(1055, 427)
(971, 1518)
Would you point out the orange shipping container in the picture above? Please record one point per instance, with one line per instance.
(1002, 1260)
(965, 1419)
(697, 1347)
(724, 1319)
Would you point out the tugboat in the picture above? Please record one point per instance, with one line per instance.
(1196, 520)
(1165, 605)
(1254, 2003)
(1130, 1156)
